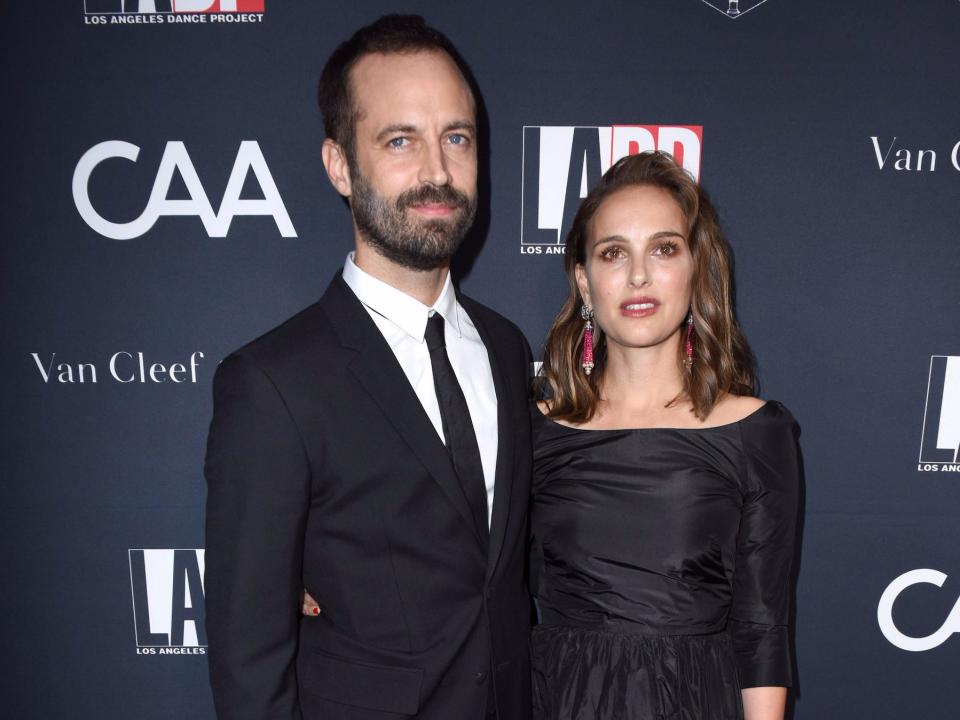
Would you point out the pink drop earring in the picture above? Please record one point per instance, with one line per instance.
(688, 343)
(586, 358)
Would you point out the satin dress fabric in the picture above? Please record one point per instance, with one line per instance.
(663, 567)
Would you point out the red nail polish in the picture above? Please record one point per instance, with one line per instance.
(316, 611)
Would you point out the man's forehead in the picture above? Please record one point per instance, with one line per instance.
(394, 73)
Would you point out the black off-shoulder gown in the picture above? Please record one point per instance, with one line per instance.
(663, 567)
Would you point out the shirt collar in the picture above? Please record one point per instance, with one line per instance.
(407, 313)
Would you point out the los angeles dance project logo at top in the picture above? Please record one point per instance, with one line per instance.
(166, 586)
(561, 164)
(168, 12)
(940, 438)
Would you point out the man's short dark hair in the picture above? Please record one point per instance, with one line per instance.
(389, 34)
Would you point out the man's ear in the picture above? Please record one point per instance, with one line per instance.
(338, 169)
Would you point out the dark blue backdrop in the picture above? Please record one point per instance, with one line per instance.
(847, 274)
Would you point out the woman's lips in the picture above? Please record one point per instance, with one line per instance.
(639, 307)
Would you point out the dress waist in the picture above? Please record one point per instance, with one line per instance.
(623, 626)
(632, 632)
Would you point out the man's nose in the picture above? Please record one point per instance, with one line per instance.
(433, 168)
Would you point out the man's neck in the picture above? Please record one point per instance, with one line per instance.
(424, 286)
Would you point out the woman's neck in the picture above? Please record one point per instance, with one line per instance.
(640, 382)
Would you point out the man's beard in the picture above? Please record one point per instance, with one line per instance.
(418, 245)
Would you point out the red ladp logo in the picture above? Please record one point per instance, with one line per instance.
(244, 6)
(150, 7)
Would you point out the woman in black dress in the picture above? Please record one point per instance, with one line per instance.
(665, 494)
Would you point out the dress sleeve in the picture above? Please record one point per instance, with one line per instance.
(763, 585)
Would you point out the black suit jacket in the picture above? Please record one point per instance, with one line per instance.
(324, 472)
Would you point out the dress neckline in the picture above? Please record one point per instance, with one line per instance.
(767, 404)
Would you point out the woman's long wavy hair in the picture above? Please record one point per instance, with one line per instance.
(722, 362)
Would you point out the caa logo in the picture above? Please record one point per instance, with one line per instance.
(940, 439)
(885, 612)
(562, 164)
(107, 7)
(167, 588)
(176, 159)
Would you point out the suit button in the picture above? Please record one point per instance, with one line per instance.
(480, 677)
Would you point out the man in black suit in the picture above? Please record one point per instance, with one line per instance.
(375, 448)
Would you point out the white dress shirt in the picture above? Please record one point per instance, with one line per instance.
(403, 321)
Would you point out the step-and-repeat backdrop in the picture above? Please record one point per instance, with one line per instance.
(164, 202)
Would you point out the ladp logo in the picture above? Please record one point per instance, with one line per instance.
(562, 164)
(885, 612)
(167, 589)
(175, 159)
(172, 6)
(940, 439)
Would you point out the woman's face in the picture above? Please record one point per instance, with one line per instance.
(638, 270)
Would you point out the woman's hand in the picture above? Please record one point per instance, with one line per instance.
(310, 607)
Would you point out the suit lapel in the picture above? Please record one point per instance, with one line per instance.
(376, 369)
(503, 482)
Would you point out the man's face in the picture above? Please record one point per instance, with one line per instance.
(413, 168)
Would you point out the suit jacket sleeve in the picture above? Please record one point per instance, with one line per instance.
(258, 490)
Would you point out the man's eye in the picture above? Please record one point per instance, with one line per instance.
(458, 139)
(398, 142)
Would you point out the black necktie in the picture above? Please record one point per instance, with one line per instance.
(457, 425)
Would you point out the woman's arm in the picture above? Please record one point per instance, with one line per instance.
(764, 703)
